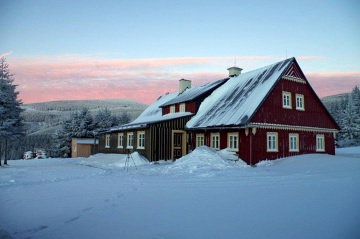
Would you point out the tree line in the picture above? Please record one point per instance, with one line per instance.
(346, 113)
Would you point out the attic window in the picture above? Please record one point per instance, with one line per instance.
(182, 107)
(300, 102)
(172, 109)
(286, 99)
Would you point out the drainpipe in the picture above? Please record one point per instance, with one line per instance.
(251, 148)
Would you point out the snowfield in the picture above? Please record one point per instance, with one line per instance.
(205, 194)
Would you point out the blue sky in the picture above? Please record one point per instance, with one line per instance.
(145, 43)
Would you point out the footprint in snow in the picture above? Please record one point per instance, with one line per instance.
(72, 220)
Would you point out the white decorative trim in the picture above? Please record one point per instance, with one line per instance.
(296, 79)
(292, 127)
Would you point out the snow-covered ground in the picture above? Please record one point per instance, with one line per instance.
(202, 195)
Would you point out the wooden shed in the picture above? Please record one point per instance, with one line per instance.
(83, 147)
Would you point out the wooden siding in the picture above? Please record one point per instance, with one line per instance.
(252, 147)
(313, 115)
(158, 140)
(81, 150)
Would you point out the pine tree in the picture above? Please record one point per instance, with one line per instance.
(80, 124)
(104, 120)
(11, 126)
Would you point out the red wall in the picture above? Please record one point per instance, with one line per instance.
(315, 114)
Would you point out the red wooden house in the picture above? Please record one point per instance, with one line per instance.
(268, 113)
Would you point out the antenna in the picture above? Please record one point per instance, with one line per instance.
(235, 61)
(286, 54)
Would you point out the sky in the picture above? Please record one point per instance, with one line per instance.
(138, 50)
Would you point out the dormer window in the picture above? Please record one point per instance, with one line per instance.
(172, 109)
(286, 98)
(182, 107)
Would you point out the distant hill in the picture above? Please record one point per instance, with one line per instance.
(328, 100)
(45, 117)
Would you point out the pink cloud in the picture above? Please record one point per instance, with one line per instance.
(332, 83)
(80, 77)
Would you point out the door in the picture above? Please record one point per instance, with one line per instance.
(177, 147)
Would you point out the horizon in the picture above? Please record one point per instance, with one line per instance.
(139, 51)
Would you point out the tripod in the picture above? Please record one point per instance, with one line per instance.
(127, 160)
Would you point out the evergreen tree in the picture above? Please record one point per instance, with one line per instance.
(11, 126)
(80, 124)
(124, 119)
(104, 120)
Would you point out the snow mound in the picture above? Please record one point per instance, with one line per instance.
(113, 161)
(205, 159)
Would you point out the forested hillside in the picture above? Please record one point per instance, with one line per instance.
(42, 120)
(345, 109)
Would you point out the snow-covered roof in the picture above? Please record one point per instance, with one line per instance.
(85, 140)
(236, 101)
(153, 114)
(194, 92)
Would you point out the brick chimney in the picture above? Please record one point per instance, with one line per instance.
(234, 71)
(183, 85)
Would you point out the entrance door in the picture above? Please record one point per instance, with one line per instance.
(177, 147)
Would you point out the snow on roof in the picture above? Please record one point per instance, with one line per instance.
(85, 140)
(153, 114)
(194, 92)
(235, 102)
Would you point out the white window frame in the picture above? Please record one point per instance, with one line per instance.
(120, 140)
(233, 141)
(293, 142)
(172, 109)
(300, 102)
(215, 140)
(130, 140)
(182, 107)
(320, 143)
(272, 142)
(141, 140)
(200, 140)
(107, 141)
(286, 100)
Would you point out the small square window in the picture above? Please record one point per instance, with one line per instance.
(286, 96)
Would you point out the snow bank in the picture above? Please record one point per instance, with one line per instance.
(113, 161)
(205, 159)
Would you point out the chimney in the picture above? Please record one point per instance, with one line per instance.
(234, 71)
(183, 85)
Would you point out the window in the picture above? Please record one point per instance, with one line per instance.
(130, 140)
(172, 109)
(182, 107)
(120, 140)
(286, 100)
(233, 140)
(320, 143)
(294, 142)
(141, 140)
(300, 102)
(215, 140)
(272, 142)
(199, 140)
(107, 141)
